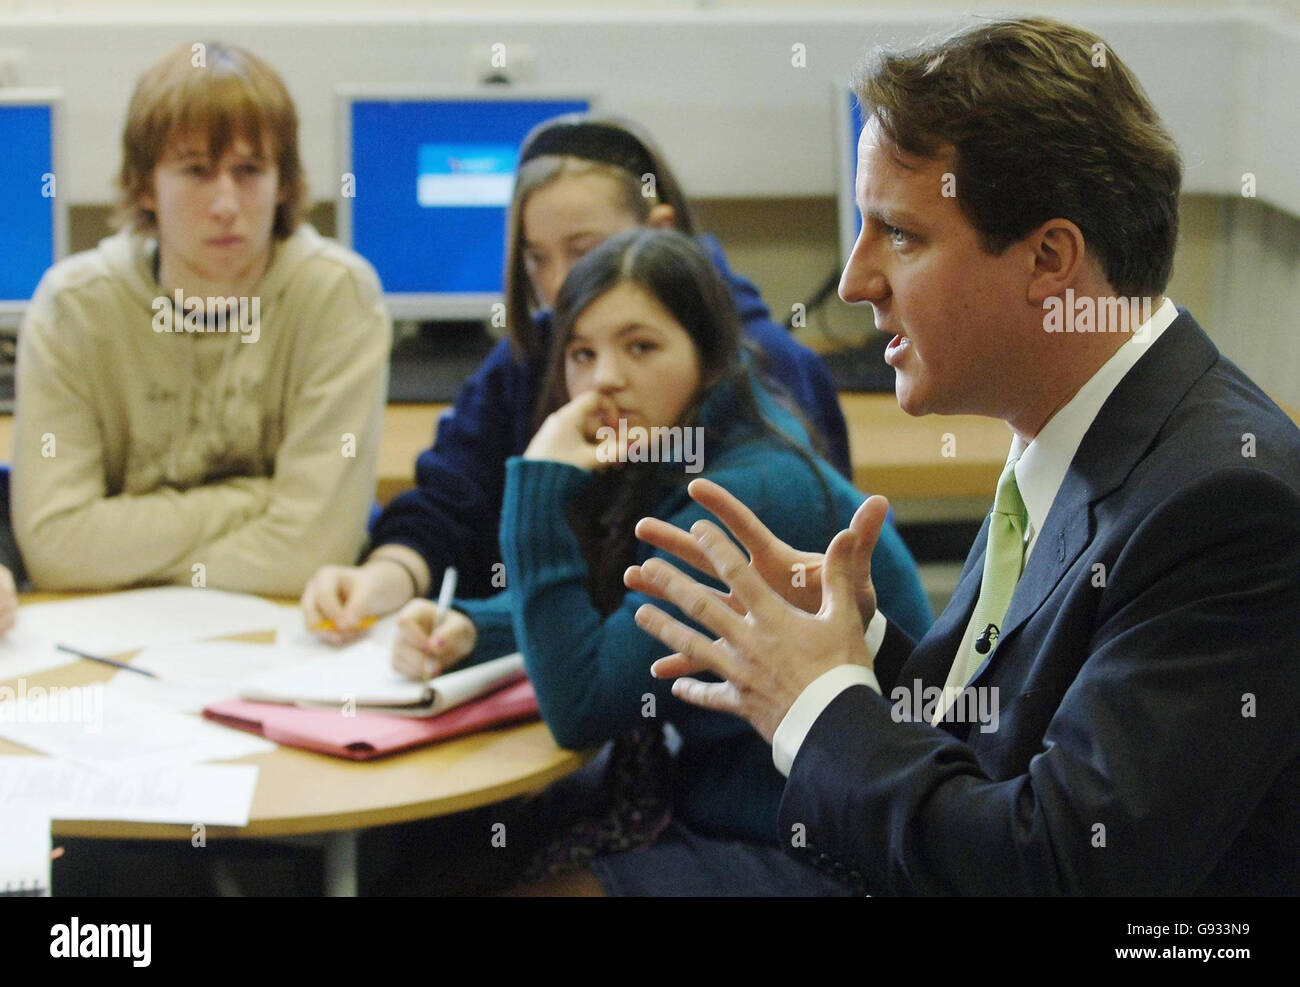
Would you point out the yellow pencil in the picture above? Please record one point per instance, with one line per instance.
(328, 625)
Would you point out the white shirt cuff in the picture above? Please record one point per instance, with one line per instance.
(875, 635)
(812, 702)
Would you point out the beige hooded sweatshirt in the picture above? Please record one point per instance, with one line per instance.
(244, 459)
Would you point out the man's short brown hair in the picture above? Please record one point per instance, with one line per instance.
(223, 93)
(1044, 122)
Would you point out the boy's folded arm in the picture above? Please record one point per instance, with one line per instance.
(72, 534)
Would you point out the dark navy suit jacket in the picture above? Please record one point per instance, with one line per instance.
(1148, 739)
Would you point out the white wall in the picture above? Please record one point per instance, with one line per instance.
(715, 85)
(714, 82)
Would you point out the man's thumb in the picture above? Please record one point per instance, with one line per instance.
(839, 571)
(868, 521)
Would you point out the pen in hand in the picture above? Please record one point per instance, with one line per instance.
(445, 594)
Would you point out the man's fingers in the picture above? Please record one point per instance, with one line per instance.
(701, 604)
(733, 568)
(637, 582)
(728, 600)
(673, 666)
(739, 519)
(673, 540)
(718, 696)
(702, 653)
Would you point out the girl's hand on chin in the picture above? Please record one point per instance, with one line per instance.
(571, 434)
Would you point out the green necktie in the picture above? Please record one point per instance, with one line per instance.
(1003, 561)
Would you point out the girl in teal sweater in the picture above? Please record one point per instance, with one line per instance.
(647, 388)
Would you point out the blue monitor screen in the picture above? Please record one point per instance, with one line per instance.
(27, 241)
(433, 180)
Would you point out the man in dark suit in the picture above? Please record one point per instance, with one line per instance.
(1111, 702)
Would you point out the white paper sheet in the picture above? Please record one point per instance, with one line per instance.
(212, 794)
(111, 623)
(361, 672)
(118, 733)
(292, 632)
(24, 850)
(24, 652)
(191, 676)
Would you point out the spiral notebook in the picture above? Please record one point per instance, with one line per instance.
(24, 851)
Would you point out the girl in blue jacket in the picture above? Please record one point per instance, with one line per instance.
(647, 385)
(580, 181)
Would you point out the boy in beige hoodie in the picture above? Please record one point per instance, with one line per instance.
(200, 397)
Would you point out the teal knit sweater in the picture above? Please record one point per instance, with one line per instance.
(592, 671)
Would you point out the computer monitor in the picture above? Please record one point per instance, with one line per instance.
(426, 180)
(848, 128)
(34, 228)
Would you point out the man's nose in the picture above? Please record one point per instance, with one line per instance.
(863, 279)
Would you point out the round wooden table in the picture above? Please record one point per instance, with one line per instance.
(303, 793)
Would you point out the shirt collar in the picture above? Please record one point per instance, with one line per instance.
(1044, 462)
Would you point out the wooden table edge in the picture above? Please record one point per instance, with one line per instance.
(565, 763)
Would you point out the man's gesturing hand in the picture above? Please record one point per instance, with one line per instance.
(767, 649)
(794, 574)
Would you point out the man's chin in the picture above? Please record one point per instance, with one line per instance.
(908, 399)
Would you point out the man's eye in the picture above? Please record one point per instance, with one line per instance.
(897, 236)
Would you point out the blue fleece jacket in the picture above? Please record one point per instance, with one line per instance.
(592, 671)
(452, 516)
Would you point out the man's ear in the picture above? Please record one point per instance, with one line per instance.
(1059, 255)
(662, 217)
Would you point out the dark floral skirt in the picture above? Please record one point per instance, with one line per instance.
(638, 785)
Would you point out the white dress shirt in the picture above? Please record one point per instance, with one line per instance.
(1040, 471)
